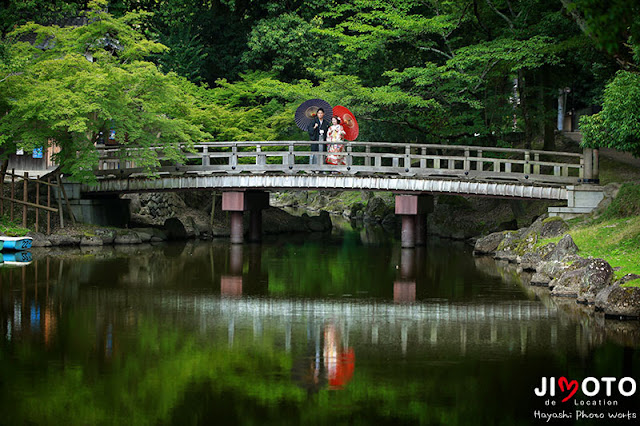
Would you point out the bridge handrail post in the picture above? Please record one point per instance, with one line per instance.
(349, 155)
(479, 163)
(291, 159)
(423, 161)
(467, 162)
(407, 158)
(527, 165)
(536, 167)
(588, 164)
(367, 157)
(206, 160)
(233, 161)
(261, 159)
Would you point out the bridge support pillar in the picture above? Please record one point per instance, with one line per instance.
(255, 226)
(413, 209)
(237, 202)
(408, 235)
(421, 229)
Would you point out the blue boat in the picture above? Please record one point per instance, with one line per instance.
(18, 258)
(16, 243)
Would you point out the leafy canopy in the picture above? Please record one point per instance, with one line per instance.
(69, 83)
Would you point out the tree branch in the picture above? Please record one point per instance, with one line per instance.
(502, 15)
(11, 75)
(445, 54)
(477, 14)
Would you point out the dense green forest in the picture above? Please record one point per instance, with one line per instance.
(487, 72)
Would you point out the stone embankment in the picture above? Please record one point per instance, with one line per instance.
(161, 217)
(454, 217)
(559, 267)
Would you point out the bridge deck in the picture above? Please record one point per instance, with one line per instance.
(329, 182)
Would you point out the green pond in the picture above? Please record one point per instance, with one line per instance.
(303, 329)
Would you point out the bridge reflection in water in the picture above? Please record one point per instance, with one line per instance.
(245, 305)
(209, 331)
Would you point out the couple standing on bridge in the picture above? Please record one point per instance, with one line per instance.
(320, 130)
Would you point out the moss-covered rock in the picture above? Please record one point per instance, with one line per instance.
(488, 244)
(620, 302)
(598, 275)
(553, 227)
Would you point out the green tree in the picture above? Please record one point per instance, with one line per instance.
(614, 29)
(618, 124)
(74, 82)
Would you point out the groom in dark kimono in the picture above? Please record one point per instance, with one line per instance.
(318, 132)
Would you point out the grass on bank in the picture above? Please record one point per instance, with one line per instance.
(11, 229)
(614, 235)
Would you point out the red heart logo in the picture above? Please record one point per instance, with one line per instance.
(571, 386)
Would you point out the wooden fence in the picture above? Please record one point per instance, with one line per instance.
(11, 201)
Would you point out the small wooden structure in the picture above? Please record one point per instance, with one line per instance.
(49, 183)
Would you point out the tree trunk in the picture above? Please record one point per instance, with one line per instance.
(549, 111)
(524, 107)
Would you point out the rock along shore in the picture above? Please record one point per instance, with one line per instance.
(559, 267)
(180, 227)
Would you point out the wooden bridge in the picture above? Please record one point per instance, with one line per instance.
(244, 171)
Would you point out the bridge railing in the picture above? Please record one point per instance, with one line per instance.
(366, 158)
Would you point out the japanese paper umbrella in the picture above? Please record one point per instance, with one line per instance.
(348, 122)
(307, 111)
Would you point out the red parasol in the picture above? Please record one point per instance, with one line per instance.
(306, 112)
(348, 122)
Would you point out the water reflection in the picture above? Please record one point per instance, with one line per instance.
(273, 333)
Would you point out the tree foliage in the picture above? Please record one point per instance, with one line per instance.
(453, 71)
(75, 82)
(618, 124)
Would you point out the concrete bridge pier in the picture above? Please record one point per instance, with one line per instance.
(413, 210)
(237, 202)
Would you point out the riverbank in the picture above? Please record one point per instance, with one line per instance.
(158, 217)
(454, 217)
(593, 260)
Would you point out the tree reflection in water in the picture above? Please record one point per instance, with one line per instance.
(149, 336)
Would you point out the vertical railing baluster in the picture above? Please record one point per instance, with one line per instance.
(479, 163)
(407, 158)
(234, 157)
(423, 161)
(206, 160)
(536, 166)
(367, 157)
(291, 159)
(261, 159)
(527, 165)
(467, 163)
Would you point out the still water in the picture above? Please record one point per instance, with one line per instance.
(347, 329)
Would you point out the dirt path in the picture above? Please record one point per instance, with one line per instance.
(613, 154)
(620, 157)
